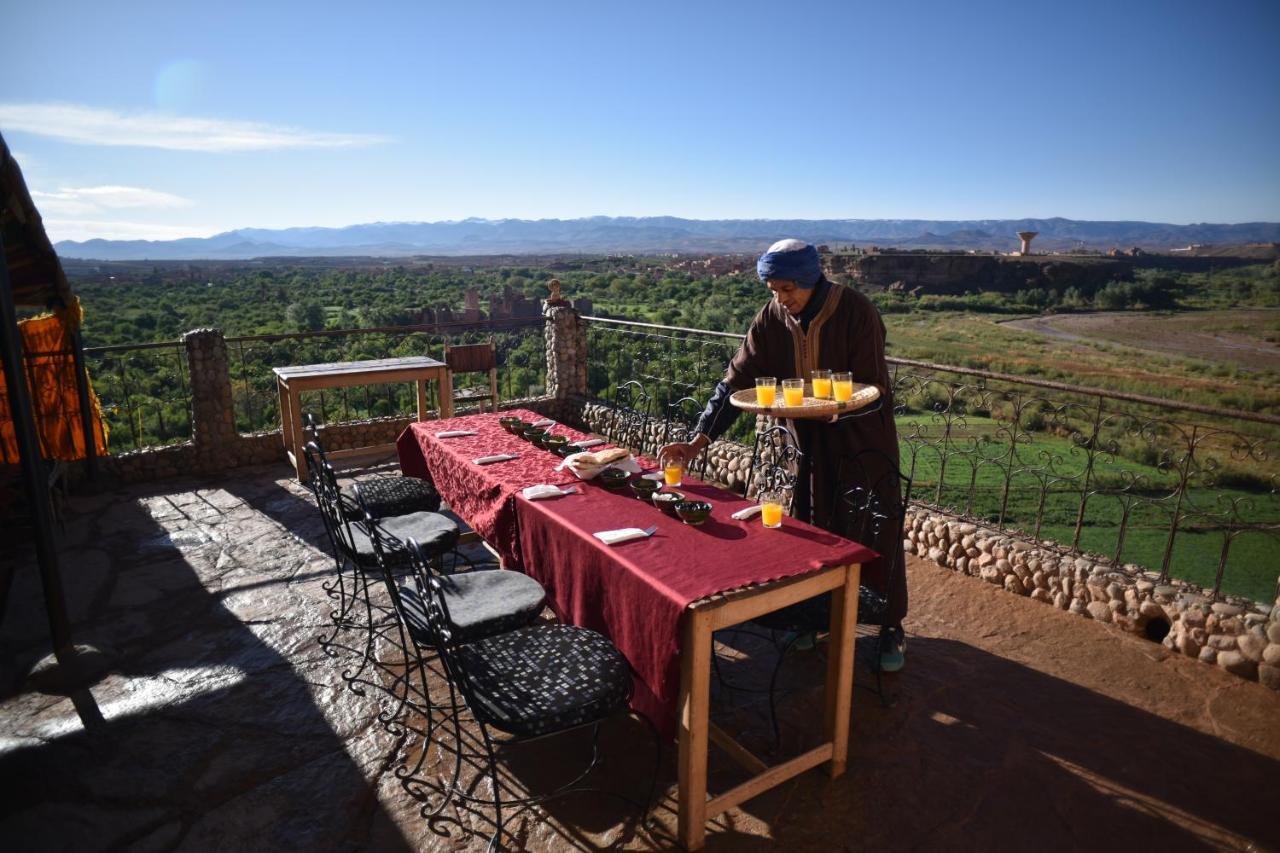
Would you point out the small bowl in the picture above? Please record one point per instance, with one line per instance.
(666, 501)
(643, 488)
(693, 512)
(612, 478)
(564, 451)
(515, 426)
(532, 434)
(552, 442)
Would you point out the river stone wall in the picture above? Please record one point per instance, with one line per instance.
(1238, 635)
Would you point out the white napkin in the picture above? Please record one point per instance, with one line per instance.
(500, 457)
(545, 422)
(749, 512)
(594, 442)
(537, 493)
(454, 433)
(614, 537)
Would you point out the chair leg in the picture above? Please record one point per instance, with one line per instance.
(354, 680)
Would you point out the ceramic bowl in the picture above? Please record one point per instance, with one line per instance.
(667, 500)
(693, 512)
(509, 424)
(564, 451)
(553, 442)
(532, 434)
(643, 488)
(612, 478)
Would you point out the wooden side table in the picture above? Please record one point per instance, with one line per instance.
(292, 381)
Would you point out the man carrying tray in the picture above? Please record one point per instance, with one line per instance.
(810, 324)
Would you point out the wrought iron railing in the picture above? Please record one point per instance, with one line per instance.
(144, 391)
(1181, 490)
(520, 344)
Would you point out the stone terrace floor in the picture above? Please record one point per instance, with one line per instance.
(224, 726)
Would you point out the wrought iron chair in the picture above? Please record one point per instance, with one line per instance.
(475, 358)
(384, 496)
(351, 544)
(629, 415)
(870, 507)
(532, 682)
(680, 424)
(483, 602)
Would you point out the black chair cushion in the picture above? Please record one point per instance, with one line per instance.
(436, 534)
(386, 496)
(814, 614)
(545, 678)
(480, 603)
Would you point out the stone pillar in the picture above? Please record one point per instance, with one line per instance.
(213, 419)
(566, 351)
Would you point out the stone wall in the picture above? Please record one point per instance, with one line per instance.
(1238, 635)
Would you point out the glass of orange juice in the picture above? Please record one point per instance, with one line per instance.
(793, 392)
(672, 469)
(771, 509)
(842, 386)
(766, 390)
(822, 384)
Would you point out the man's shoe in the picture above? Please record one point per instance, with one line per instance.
(893, 648)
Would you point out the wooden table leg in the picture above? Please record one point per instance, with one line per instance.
(446, 393)
(840, 661)
(695, 703)
(286, 425)
(295, 434)
(422, 399)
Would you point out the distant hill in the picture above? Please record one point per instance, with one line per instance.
(658, 234)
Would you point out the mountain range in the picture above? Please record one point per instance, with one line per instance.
(661, 234)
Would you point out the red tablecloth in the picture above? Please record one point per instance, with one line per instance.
(483, 495)
(634, 593)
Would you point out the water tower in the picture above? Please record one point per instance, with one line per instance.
(1026, 237)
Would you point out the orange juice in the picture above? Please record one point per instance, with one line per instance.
(671, 474)
(766, 394)
(793, 396)
(843, 391)
(771, 515)
(821, 388)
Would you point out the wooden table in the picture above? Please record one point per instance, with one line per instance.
(502, 516)
(292, 381)
(696, 731)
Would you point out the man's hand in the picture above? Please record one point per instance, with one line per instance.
(684, 451)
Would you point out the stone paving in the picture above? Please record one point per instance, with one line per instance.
(222, 724)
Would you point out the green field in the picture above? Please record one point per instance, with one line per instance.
(1045, 484)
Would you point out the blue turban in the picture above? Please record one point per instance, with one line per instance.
(793, 260)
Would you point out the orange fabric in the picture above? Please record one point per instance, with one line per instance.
(51, 378)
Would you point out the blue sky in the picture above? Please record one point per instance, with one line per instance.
(157, 120)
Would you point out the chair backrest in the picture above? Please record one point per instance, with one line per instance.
(870, 503)
(775, 460)
(436, 607)
(630, 415)
(471, 358)
(324, 482)
(679, 424)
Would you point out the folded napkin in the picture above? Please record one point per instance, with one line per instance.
(454, 433)
(592, 442)
(749, 512)
(543, 423)
(614, 537)
(537, 493)
(499, 457)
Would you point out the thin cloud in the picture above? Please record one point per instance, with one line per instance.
(79, 201)
(84, 229)
(92, 126)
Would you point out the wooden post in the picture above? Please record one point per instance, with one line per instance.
(695, 704)
(840, 660)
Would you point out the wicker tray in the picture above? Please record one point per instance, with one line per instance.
(813, 407)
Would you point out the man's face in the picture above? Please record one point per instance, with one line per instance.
(790, 296)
